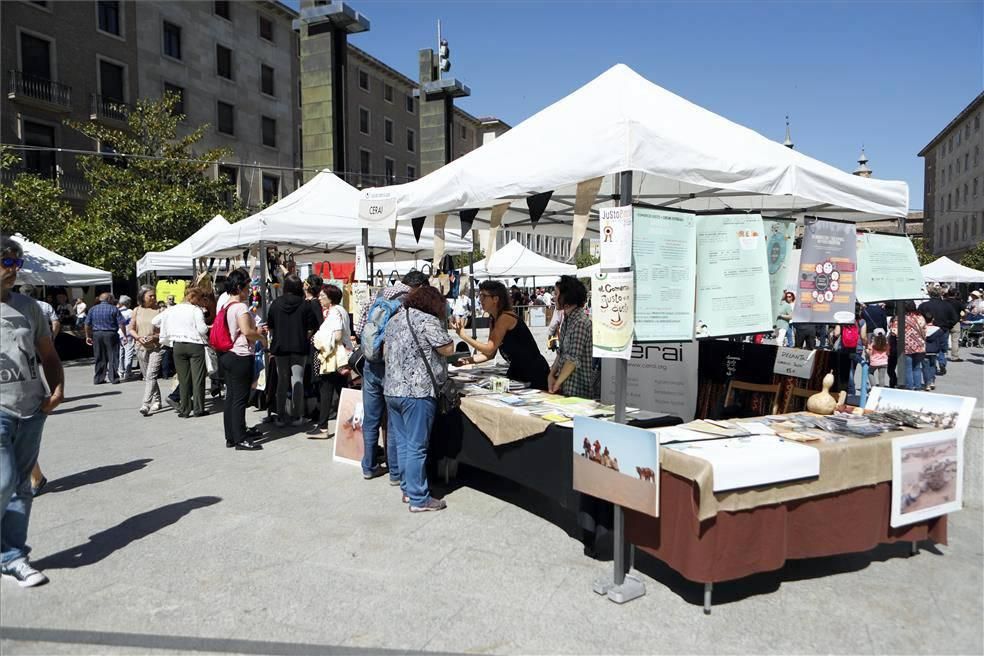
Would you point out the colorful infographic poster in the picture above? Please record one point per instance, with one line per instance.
(611, 314)
(826, 280)
(732, 276)
(779, 235)
(888, 269)
(664, 247)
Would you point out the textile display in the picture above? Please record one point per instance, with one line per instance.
(501, 425)
(888, 269)
(732, 276)
(611, 314)
(664, 247)
(779, 235)
(828, 261)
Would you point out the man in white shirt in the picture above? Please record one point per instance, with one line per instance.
(127, 347)
(46, 310)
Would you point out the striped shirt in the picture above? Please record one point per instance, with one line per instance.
(105, 316)
(389, 293)
(576, 346)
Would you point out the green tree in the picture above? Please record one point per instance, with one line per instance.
(585, 259)
(461, 259)
(974, 258)
(922, 252)
(155, 193)
(31, 204)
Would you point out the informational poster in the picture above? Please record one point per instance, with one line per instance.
(358, 299)
(826, 280)
(362, 273)
(611, 314)
(779, 235)
(732, 276)
(617, 463)
(615, 237)
(888, 269)
(664, 247)
(661, 378)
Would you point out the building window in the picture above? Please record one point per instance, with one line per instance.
(410, 103)
(266, 29)
(227, 118)
(222, 9)
(956, 196)
(948, 240)
(949, 171)
(179, 106)
(958, 138)
(269, 130)
(365, 162)
(229, 175)
(941, 203)
(271, 188)
(966, 162)
(172, 40)
(977, 155)
(963, 228)
(965, 193)
(975, 187)
(364, 120)
(388, 130)
(948, 205)
(977, 123)
(411, 172)
(388, 92)
(41, 162)
(973, 225)
(35, 57)
(363, 80)
(111, 81)
(109, 16)
(464, 132)
(266, 80)
(411, 140)
(223, 62)
(967, 130)
(389, 167)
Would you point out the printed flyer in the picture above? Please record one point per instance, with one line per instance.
(779, 235)
(732, 276)
(826, 279)
(888, 269)
(611, 309)
(664, 247)
(615, 237)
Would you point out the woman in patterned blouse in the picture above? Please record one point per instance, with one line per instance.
(573, 372)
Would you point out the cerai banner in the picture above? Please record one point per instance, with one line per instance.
(662, 378)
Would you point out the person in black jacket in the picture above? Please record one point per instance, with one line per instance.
(935, 343)
(292, 322)
(944, 317)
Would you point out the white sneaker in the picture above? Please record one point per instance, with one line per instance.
(155, 407)
(22, 572)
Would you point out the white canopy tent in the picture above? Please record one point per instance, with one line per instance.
(589, 271)
(516, 261)
(48, 268)
(946, 270)
(319, 220)
(177, 261)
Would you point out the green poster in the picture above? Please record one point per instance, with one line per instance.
(888, 269)
(733, 294)
(663, 260)
(779, 234)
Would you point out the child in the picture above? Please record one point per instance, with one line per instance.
(936, 340)
(878, 358)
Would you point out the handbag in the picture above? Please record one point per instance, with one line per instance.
(357, 361)
(447, 392)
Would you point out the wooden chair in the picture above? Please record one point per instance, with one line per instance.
(798, 393)
(755, 388)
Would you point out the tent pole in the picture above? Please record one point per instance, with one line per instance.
(264, 275)
(365, 249)
(471, 283)
(900, 323)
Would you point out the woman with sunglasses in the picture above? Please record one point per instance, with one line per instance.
(508, 335)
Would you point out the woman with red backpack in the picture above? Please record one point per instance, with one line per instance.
(850, 340)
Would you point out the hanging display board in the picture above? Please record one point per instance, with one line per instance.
(611, 314)
(826, 279)
(615, 237)
(664, 260)
(661, 378)
(888, 269)
(617, 463)
(377, 210)
(732, 276)
(166, 289)
(779, 235)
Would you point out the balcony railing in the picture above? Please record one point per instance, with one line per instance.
(103, 108)
(21, 86)
(71, 186)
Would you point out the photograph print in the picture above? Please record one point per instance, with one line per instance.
(617, 463)
(941, 411)
(349, 447)
(927, 476)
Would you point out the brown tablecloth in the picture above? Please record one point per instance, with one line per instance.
(736, 544)
(843, 465)
(501, 425)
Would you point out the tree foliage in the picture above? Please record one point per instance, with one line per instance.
(585, 259)
(974, 258)
(922, 252)
(31, 204)
(461, 259)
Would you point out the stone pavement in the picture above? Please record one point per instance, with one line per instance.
(159, 539)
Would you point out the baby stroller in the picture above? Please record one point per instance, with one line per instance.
(972, 334)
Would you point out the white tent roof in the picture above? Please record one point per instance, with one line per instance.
(516, 261)
(44, 267)
(589, 271)
(689, 158)
(318, 219)
(177, 261)
(946, 270)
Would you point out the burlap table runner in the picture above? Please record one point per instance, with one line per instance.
(843, 465)
(501, 425)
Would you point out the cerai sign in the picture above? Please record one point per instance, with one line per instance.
(377, 210)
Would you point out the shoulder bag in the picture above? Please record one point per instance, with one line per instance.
(446, 392)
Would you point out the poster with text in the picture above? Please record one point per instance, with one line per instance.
(611, 314)
(664, 261)
(888, 269)
(661, 378)
(732, 276)
(779, 235)
(617, 463)
(826, 280)
(615, 237)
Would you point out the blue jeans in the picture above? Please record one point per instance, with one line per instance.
(913, 370)
(929, 368)
(373, 407)
(410, 422)
(20, 441)
(940, 358)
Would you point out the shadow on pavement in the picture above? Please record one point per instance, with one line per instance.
(95, 475)
(84, 406)
(90, 396)
(105, 543)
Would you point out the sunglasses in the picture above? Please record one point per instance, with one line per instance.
(12, 262)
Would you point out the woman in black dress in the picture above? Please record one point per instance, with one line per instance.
(508, 335)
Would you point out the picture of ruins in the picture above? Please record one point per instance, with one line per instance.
(929, 475)
(618, 463)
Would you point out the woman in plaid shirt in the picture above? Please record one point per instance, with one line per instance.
(573, 372)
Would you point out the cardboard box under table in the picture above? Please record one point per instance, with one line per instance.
(709, 537)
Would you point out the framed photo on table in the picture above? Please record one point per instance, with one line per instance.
(942, 411)
(927, 476)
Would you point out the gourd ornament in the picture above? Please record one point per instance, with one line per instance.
(823, 402)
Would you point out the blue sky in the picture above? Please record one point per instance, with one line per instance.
(888, 75)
